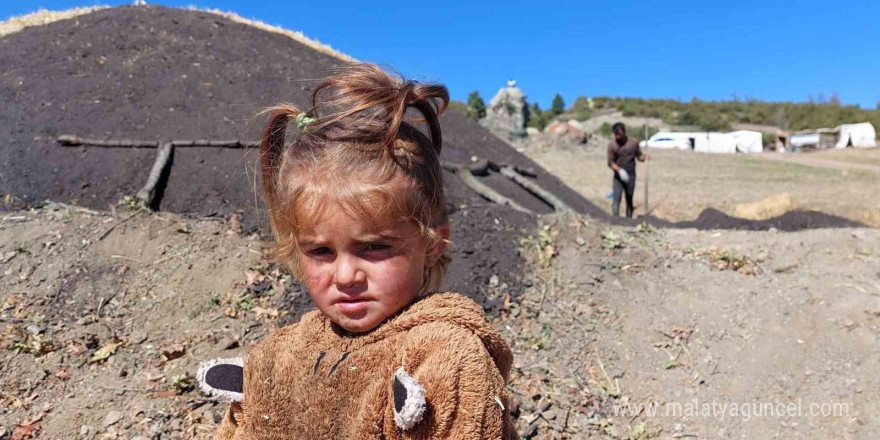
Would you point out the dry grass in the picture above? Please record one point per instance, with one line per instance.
(867, 156)
(683, 183)
(41, 17)
(44, 16)
(295, 35)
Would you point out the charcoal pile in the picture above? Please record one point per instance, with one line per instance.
(149, 74)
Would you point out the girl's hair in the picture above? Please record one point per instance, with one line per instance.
(357, 146)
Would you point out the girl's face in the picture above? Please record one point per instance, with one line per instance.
(358, 277)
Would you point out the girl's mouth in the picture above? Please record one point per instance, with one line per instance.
(352, 306)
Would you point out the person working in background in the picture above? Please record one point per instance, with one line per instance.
(622, 154)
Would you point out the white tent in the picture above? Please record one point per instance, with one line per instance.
(857, 135)
(710, 142)
(748, 141)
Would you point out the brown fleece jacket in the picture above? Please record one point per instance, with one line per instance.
(309, 381)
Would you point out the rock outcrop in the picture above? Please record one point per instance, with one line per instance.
(508, 113)
(570, 131)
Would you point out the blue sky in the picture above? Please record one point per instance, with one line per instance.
(769, 50)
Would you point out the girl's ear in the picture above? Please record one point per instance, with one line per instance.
(436, 251)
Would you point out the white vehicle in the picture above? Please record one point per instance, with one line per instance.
(659, 140)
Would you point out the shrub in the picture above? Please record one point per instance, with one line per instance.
(537, 118)
(476, 108)
(581, 108)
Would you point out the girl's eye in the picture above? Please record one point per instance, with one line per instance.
(376, 247)
(320, 251)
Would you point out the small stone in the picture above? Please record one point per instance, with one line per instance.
(84, 430)
(156, 430)
(112, 418)
(86, 320)
(175, 425)
(228, 343)
(139, 337)
(580, 241)
(546, 406)
(494, 281)
(34, 329)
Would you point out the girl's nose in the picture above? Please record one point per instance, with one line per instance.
(348, 272)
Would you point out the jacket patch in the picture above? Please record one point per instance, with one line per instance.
(409, 400)
(222, 378)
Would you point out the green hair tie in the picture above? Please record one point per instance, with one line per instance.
(303, 120)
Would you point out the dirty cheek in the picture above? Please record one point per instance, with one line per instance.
(318, 279)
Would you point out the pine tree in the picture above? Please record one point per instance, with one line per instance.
(537, 118)
(558, 106)
(476, 108)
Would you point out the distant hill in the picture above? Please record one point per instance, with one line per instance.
(720, 115)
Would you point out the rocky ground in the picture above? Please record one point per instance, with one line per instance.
(106, 314)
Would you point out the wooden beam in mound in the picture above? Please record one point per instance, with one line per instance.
(69, 140)
(464, 173)
(162, 157)
(532, 187)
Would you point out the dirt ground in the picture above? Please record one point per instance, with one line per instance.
(106, 314)
(671, 318)
(683, 183)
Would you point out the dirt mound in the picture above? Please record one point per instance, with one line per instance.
(157, 73)
(796, 220)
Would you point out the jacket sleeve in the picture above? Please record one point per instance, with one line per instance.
(465, 392)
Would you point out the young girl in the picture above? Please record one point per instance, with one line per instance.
(357, 208)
